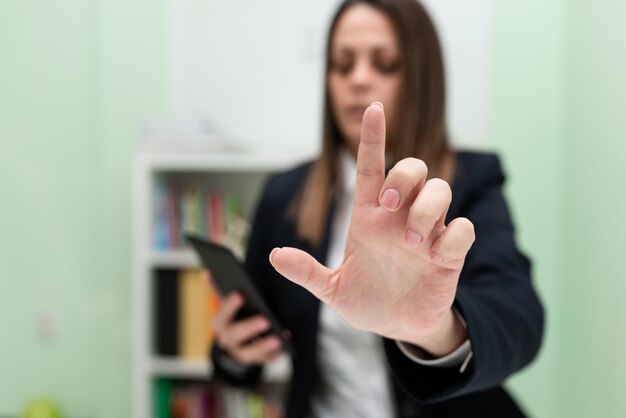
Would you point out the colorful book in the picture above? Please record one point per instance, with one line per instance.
(161, 224)
(216, 215)
(162, 398)
(165, 314)
(194, 322)
(173, 214)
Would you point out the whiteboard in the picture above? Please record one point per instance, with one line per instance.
(254, 68)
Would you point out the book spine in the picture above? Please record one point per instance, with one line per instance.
(166, 312)
(162, 398)
(216, 205)
(194, 321)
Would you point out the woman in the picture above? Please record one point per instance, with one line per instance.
(387, 254)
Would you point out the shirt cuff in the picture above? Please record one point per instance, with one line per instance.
(459, 357)
(230, 365)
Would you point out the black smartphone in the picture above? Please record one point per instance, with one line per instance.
(229, 275)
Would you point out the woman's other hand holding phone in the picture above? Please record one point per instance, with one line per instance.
(241, 339)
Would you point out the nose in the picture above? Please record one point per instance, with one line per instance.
(361, 74)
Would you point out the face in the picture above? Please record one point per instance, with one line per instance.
(365, 66)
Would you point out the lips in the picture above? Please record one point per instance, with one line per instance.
(356, 111)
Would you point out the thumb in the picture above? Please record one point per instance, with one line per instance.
(304, 270)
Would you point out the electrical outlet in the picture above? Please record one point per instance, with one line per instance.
(47, 324)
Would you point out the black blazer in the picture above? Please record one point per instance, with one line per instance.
(495, 296)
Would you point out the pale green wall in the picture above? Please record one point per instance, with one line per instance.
(594, 241)
(559, 105)
(132, 46)
(76, 79)
(527, 126)
(47, 211)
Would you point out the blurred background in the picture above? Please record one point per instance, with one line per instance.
(541, 82)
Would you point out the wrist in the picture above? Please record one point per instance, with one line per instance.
(445, 339)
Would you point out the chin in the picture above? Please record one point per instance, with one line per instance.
(354, 136)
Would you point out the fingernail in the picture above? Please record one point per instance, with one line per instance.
(263, 324)
(413, 238)
(237, 298)
(390, 199)
(273, 343)
(272, 253)
(379, 104)
(436, 258)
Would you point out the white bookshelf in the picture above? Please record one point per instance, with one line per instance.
(237, 172)
(277, 372)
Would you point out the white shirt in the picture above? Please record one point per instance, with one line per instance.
(354, 379)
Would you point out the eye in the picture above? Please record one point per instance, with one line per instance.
(387, 65)
(342, 64)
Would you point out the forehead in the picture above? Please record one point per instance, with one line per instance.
(364, 27)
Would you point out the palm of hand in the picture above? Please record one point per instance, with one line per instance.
(384, 283)
(389, 282)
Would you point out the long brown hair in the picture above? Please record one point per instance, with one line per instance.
(421, 129)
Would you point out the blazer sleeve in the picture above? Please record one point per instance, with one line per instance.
(495, 296)
(257, 263)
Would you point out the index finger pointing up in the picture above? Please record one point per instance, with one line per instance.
(370, 162)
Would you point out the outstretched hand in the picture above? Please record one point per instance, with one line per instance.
(402, 263)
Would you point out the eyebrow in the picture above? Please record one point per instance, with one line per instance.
(384, 48)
